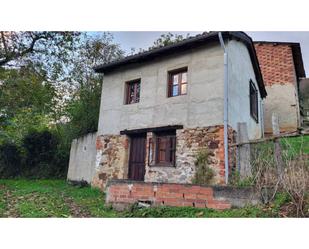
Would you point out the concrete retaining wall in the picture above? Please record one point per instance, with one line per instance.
(82, 158)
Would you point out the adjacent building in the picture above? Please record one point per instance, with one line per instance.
(282, 68)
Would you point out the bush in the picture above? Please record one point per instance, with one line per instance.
(10, 160)
(203, 174)
(41, 156)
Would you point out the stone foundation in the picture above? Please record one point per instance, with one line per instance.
(113, 152)
(111, 159)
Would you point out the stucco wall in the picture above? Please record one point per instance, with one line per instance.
(281, 99)
(82, 158)
(240, 73)
(202, 106)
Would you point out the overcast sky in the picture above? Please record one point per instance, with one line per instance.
(137, 40)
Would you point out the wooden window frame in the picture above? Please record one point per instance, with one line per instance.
(171, 73)
(127, 93)
(154, 150)
(254, 101)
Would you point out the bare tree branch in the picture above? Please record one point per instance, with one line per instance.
(9, 56)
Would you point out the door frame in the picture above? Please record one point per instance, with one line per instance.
(131, 138)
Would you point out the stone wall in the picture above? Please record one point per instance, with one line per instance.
(188, 143)
(123, 193)
(111, 159)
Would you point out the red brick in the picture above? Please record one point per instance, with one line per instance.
(276, 63)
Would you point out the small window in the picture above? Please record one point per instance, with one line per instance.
(133, 91)
(254, 109)
(177, 82)
(162, 149)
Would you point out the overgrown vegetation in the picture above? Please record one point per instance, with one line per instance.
(49, 95)
(292, 181)
(203, 174)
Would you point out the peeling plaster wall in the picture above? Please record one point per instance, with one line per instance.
(202, 106)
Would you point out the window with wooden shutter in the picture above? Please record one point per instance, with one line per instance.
(254, 107)
(163, 148)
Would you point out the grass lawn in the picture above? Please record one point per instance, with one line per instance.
(56, 198)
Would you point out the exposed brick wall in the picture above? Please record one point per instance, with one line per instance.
(276, 63)
(164, 194)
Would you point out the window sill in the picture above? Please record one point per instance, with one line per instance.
(162, 166)
(177, 95)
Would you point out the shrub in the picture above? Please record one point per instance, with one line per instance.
(203, 173)
(10, 160)
(40, 155)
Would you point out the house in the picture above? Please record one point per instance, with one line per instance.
(282, 68)
(160, 107)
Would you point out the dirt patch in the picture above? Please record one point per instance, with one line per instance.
(76, 210)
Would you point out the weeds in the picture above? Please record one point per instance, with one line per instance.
(204, 174)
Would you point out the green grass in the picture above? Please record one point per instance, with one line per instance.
(2, 203)
(48, 198)
(296, 145)
(190, 212)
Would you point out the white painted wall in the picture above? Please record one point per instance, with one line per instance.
(82, 158)
(202, 106)
(240, 73)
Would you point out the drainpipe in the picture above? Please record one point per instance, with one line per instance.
(225, 118)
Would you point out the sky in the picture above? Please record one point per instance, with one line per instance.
(128, 40)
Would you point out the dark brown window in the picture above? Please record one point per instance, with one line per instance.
(162, 149)
(254, 109)
(133, 91)
(177, 82)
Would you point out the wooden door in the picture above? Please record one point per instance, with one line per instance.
(137, 157)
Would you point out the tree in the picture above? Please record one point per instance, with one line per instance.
(26, 102)
(18, 46)
(83, 108)
(167, 39)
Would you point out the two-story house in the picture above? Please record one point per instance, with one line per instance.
(159, 107)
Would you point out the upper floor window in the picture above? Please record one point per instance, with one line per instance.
(177, 82)
(133, 91)
(254, 109)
